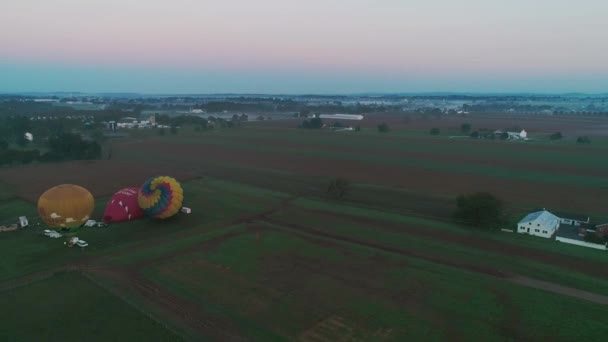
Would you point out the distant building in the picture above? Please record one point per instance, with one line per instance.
(341, 116)
(540, 223)
(112, 126)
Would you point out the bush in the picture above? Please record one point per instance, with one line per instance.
(475, 135)
(583, 140)
(314, 123)
(383, 128)
(357, 128)
(434, 131)
(482, 210)
(465, 127)
(338, 188)
(556, 136)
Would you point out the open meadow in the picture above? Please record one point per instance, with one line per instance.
(266, 255)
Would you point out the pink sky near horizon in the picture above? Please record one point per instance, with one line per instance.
(383, 37)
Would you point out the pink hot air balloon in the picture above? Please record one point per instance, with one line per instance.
(123, 206)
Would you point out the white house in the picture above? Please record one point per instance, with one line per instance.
(518, 135)
(541, 223)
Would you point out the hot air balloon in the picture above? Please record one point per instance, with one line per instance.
(65, 206)
(160, 197)
(123, 206)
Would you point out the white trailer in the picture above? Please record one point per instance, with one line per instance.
(23, 222)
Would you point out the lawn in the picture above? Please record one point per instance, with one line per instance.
(69, 307)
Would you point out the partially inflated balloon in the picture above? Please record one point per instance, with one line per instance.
(160, 197)
(65, 206)
(123, 206)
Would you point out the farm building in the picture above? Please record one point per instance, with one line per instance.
(576, 235)
(602, 229)
(541, 223)
(573, 220)
(341, 116)
(523, 135)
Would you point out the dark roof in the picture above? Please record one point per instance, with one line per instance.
(569, 232)
(577, 217)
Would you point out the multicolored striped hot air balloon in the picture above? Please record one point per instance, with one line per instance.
(160, 197)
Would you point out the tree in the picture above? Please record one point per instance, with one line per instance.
(482, 210)
(475, 135)
(21, 140)
(556, 136)
(68, 146)
(465, 128)
(504, 136)
(29, 156)
(338, 188)
(316, 123)
(583, 140)
(434, 131)
(383, 128)
(97, 135)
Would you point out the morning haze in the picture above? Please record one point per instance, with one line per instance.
(303, 171)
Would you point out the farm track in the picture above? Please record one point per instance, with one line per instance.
(177, 309)
(506, 276)
(479, 243)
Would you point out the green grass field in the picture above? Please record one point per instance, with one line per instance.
(266, 256)
(69, 307)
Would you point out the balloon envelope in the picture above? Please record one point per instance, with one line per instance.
(123, 206)
(65, 206)
(160, 197)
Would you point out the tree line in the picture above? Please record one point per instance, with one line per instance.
(60, 147)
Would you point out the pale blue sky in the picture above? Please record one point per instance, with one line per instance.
(314, 46)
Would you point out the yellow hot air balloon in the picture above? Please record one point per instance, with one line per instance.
(65, 206)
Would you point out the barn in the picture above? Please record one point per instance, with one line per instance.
(541, 223)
